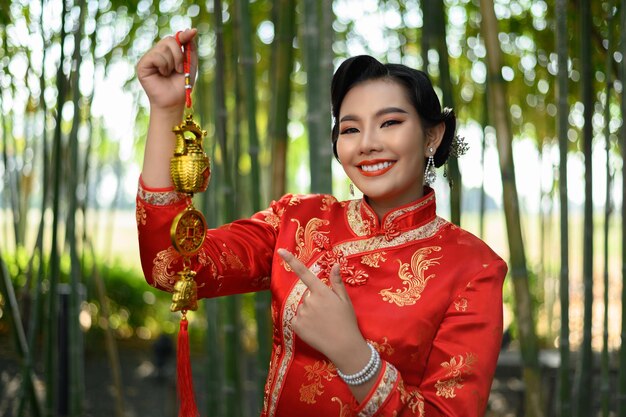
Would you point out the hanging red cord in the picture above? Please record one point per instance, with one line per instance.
(187, 401)
(186, 68)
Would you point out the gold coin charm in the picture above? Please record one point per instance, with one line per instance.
(188, 231)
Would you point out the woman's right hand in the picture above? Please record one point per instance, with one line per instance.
(160, 72)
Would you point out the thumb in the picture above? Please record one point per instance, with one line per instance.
(337, 283)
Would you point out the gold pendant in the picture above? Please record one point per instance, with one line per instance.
(188, 231)
(185, 295)
(190, 166)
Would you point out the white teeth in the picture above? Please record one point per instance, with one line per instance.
(376, 167)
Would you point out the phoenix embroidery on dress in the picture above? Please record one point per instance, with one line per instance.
(309, 239)
(412, 275)
(163, 274)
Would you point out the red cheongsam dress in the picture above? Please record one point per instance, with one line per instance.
(427, 295)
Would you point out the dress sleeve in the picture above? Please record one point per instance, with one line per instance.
(460, 367)
(234, 258)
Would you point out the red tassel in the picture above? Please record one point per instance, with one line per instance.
(188, 407)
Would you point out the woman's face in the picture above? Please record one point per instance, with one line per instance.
(381, 144)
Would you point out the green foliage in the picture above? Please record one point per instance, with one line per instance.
(135, 308)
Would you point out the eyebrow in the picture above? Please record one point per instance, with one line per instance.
(381, 112)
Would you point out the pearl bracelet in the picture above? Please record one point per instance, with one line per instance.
(365, 374)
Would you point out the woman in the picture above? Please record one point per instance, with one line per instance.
(379, 306)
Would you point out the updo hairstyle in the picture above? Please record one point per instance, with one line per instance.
(418, 88)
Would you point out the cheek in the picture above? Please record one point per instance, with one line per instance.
(343, 151)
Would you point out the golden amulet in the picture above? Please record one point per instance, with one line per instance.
(185, 295)
(190, 167)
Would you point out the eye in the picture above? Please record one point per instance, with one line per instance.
(392, 122)
(349, 130)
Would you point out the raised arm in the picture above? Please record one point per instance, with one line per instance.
(160, 72)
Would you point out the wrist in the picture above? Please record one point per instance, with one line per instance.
(172, 114)
(352, 358)
(366, 373)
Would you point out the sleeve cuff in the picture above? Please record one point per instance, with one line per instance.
(387, 380)
(159, 196)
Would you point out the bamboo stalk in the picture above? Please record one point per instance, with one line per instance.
(282, 58)
(583, 382)
(621, 394)
(605, 377)
(445, 82)
(519, 273)
(75, 348)
(320, 153)
(52, 313)
(564, 404)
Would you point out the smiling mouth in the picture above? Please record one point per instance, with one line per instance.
(372, 170)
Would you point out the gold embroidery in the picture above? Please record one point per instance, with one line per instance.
(413, 278)
(140, 214)
(372, 259)
(289, 312)
(456, 367)
(206, 261)
(162, 273)
(309, 239)
(376, 243)
(344, 409)
(229, 259)
(273, 220)
(327, 201)
(383, 390)
(348, 272)
(359, 225)
(412, 398)
(160, 198)
(294, 200)
(461, 305)
(315, 373)
(270, 376)
(398, 213)
(383, 346)
(352, 277)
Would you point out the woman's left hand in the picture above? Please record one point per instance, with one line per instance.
(325, 319)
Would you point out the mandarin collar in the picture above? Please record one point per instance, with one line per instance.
(399, 219)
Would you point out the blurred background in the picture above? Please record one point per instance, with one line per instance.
(537, 87)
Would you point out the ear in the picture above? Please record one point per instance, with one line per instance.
(434, 135)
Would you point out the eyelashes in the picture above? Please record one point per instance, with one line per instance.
(391, 123)
(348, 131)
(386, 123)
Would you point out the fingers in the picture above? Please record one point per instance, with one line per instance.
(187, 35)
(337, 283)
(161, 59)
(304, 273)
(167, 56)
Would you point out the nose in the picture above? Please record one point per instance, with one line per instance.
(370, 142)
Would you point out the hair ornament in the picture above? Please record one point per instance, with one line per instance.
(458, 147)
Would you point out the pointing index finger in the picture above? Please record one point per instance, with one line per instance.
(304, 273)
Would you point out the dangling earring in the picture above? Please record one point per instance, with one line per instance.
(352, 189)
(429, 174)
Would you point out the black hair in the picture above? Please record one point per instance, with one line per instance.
(417, 85)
